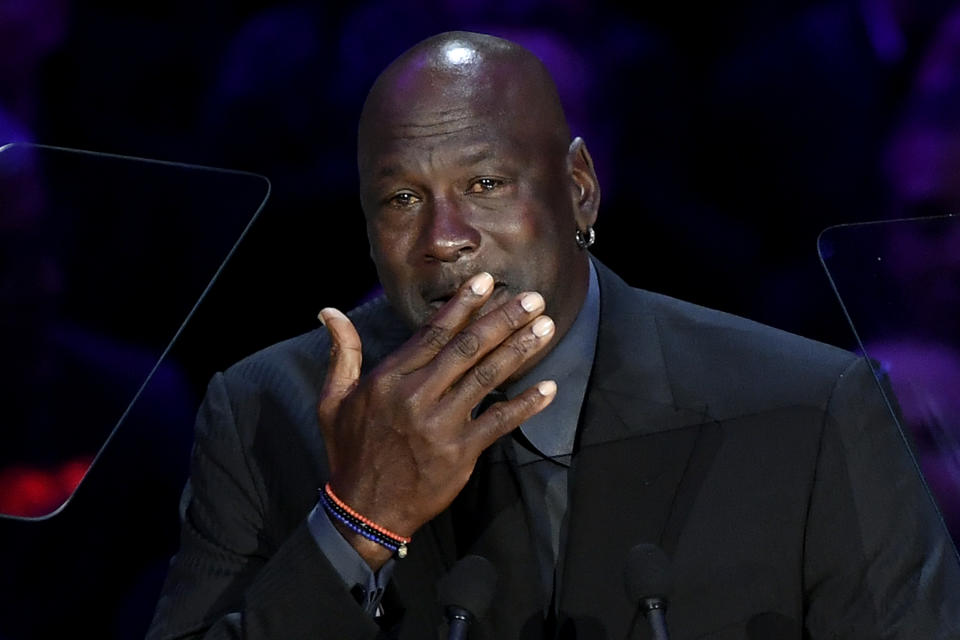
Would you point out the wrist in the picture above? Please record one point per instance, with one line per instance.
(375, 555)
(372, 541)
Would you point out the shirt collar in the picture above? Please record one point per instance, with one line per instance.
(553, 431)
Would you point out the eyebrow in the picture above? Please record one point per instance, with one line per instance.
(477, 157)
(387, 171)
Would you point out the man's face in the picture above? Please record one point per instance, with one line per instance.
(454, 183)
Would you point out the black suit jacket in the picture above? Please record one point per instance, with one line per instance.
(764, 464)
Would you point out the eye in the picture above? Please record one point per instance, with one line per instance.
(403, 200)
(484, 184)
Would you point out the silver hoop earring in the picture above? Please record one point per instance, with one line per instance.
(586, 238)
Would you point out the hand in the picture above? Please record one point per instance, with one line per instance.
(401, 442)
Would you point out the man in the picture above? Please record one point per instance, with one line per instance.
(762, 463)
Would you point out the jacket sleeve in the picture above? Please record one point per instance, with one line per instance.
(878, 562)
(228, 580)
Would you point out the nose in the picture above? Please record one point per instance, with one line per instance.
(449, 234)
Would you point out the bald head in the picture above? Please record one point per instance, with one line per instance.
(457, 75)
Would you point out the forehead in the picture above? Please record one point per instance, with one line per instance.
(445, 142)
(429, 121)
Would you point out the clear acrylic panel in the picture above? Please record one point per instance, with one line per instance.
(103, 260)
(899, 284)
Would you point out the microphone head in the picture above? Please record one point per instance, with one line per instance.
(647, 573)
(469, 585)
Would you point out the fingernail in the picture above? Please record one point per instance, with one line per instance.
(481, 283)
(547, 388)
(531, 301)
(329, 311)
(542, 326)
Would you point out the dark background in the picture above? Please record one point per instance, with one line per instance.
(726, 137)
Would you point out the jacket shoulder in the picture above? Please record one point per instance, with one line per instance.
(748, 366)
(727, 362)
(295, 368)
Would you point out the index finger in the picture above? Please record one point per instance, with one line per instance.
(449, 320)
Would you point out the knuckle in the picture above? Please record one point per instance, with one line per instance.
(379, 388)
(500, 416)
(531, 401)
(486, 374)
(467, 344)
(433, 337)
(511, 321)
(518, 348)
(409, 402)
(451, 453)
(521, 345)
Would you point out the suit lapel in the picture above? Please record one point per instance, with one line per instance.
(639, 463)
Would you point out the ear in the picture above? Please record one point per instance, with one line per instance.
(585, 188)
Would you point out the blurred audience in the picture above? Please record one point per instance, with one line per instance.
(918, 344)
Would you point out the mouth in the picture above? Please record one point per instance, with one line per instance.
(438, 301)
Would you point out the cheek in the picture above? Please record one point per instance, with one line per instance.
(388, 245)
(549, 208)
(538, 214)
(390, 266)
(539, 232)
(537, 251)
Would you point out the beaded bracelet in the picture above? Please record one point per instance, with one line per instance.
(336, 512)
(357, 523)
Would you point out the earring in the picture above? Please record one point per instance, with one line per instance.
(586, 238)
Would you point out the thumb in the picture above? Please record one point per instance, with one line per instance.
(343, 370)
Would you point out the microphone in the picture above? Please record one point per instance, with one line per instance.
(771, 625)
(648, 582)
(466, 592)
